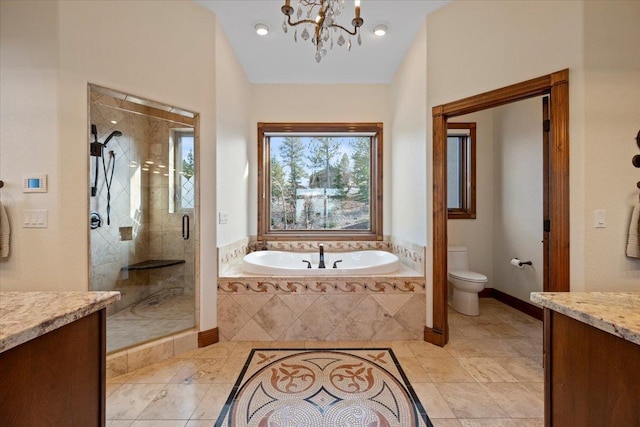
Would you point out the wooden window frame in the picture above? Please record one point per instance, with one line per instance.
(264, 196)
(468, 179)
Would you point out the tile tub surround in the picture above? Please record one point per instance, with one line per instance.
(260, 308)
(617, 313)
(28, 315)
(345, 308)
(229, 256)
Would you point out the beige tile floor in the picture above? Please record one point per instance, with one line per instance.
(489, 375)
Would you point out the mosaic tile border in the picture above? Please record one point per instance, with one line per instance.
(313, 285)
(233, 252)
(394, 370)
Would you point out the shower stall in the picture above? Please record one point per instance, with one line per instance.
(143, 214)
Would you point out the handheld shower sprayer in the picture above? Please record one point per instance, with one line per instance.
(114, 133)
(97, 147)
(96, 151)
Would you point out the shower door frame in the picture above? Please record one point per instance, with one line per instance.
(556, 86)
(164, 111)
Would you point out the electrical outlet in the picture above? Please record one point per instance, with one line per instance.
(223, 217)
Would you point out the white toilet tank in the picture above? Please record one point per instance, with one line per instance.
(457, 258)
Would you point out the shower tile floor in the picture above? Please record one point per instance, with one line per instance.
(490, 374)
(160, 314)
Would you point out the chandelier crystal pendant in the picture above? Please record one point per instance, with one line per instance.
(324, 24)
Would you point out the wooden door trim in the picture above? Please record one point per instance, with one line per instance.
(546, 140)
(557, 86)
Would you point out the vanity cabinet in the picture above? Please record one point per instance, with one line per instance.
(56, 378)
(592, 373)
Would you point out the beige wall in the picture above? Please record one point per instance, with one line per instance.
(50, 51)
(612, 120)
(597, 41)
(518, 214)
(408, 110)
(29, 140)
(477, 234)
(509, 198)
(233, 110)
(319, 103)
(505, 43)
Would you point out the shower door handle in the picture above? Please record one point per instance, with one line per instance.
(185, 227)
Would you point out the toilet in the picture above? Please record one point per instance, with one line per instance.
(466, 284)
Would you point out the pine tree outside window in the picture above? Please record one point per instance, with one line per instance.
(182, 170)
(320, 181)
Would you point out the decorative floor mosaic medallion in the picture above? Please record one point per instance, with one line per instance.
(322, 388)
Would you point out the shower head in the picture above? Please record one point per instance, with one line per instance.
(114, 133)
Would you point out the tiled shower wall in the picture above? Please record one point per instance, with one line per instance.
(109, 253)
(139, 206)
(165, 228)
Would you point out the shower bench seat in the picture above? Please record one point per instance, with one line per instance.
(153, 263)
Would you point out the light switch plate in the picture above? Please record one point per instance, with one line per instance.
(600, 218)
(223, 217)
(35, 218)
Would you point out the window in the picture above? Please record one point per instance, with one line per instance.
(182, 167)
(461, 170)
(320, 181)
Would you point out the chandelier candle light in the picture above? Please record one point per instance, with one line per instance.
(324, 24)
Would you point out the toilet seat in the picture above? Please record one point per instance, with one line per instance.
(468, 276)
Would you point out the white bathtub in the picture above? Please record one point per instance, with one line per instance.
(291, 263)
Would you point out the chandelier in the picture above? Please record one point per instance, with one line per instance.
(323, 25)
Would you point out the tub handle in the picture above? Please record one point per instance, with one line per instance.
(308, 263)
(335, 264)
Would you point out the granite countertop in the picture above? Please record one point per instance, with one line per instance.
(617, 313)
(27, 315)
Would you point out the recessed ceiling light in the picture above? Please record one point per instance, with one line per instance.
(380, 30)
(261, 29)
(114, 122)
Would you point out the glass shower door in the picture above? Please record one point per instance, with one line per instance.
(147, 249)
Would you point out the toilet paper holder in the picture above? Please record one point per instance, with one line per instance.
(516, 262)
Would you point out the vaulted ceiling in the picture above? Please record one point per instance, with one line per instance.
(276, 58)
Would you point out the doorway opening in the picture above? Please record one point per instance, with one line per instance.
(556, 178)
